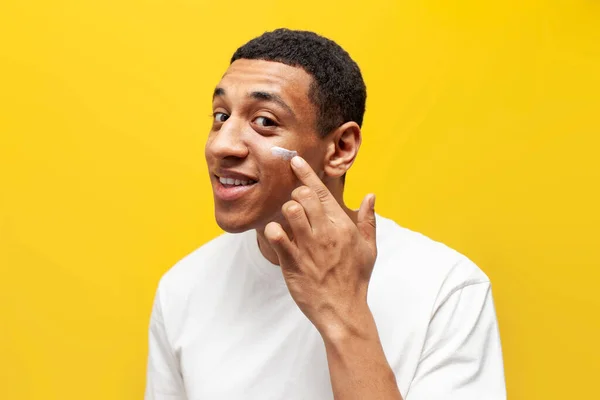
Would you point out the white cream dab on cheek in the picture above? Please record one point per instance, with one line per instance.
(283, 153)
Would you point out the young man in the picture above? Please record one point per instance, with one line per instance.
(278, 307)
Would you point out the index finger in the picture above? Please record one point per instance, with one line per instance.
(307, 176)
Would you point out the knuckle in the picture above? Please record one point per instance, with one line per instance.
(301, 193)
(273, 233)
(296, 194)
(344, 228)
(277, 237)
(305, 192)
(330, 242)
(288, 204)
(293, 209)
(322, 193)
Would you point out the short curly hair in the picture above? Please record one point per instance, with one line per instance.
(338, 90)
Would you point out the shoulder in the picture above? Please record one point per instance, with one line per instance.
(420, 265)
(180, 280)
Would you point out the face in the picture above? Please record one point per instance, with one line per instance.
(257, 105)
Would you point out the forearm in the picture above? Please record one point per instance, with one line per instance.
(357, 364)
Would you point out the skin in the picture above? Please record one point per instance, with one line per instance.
(326, 250)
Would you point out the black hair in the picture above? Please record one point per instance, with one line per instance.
(338, 90)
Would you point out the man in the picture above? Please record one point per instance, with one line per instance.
(278, 307)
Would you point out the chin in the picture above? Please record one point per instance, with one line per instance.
(234, 224)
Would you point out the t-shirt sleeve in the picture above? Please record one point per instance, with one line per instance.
(462, 355)
(163, 379)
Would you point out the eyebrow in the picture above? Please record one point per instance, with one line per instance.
(260, 95)
(218, 92)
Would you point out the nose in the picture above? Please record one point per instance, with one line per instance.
(227, 142)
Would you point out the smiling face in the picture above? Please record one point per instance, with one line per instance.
(258, 105)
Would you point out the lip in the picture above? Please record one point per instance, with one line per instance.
(231, 193)
(234, 175)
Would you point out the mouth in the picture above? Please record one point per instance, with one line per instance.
(232, 187)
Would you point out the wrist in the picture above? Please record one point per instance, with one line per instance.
(358, 324)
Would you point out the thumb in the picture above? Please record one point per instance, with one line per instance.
(366, 219)
(280, 243)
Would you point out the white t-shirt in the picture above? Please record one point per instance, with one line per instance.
(224, 326)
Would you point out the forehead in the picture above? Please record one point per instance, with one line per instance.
(290, 83)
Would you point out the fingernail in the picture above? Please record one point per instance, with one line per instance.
(373, 202)
(297, 161)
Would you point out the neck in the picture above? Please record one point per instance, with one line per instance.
(270, 254)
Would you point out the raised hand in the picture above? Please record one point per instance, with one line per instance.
(329, 260)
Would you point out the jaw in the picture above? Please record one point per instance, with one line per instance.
(233, 221)
(245, 219)
(232, 228)
(234, 218)
(238, 217)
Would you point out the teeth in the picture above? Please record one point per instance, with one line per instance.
(236, 182)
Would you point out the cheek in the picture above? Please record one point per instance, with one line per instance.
(279, 175)
(276, 175)
(260, 151)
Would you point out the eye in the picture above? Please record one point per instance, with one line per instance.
(264, 122)
(220, 117)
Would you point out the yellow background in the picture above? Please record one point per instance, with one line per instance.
(481, 131)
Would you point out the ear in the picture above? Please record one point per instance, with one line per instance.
(342, 149)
